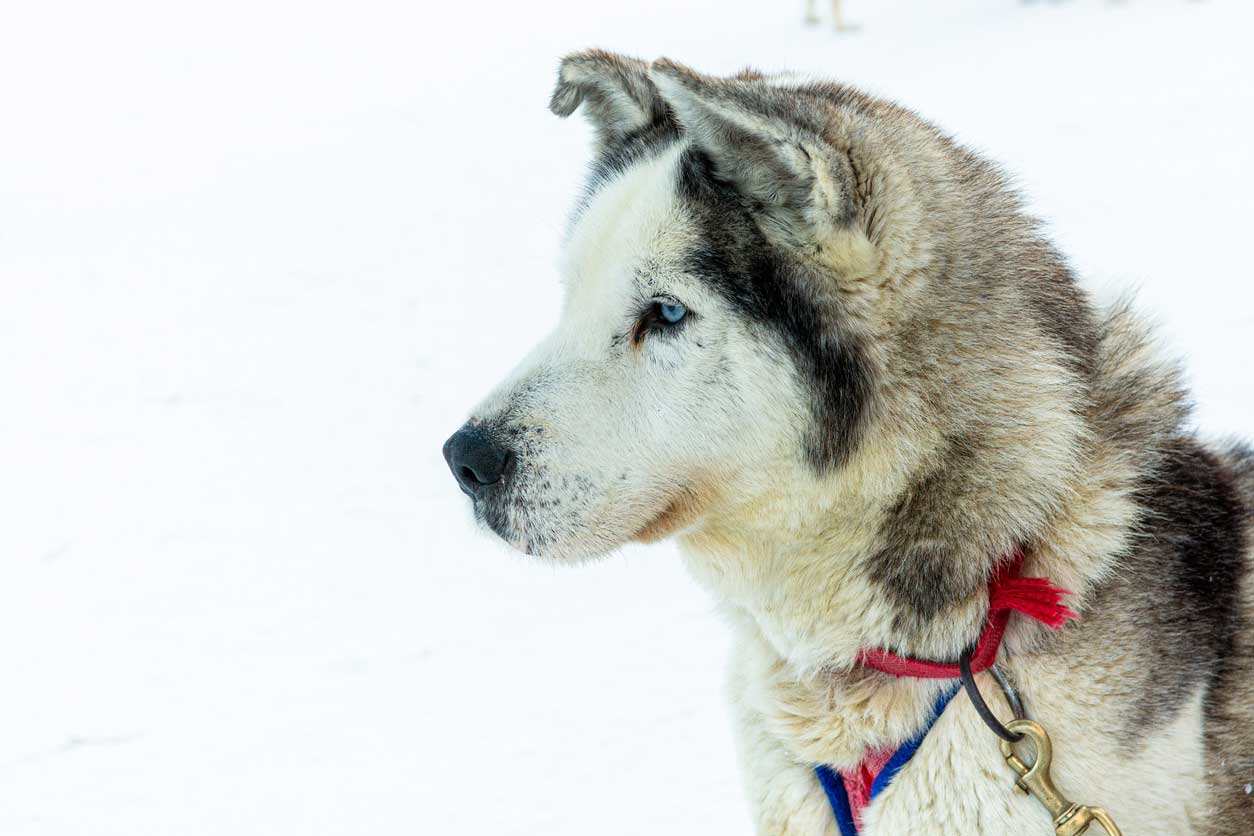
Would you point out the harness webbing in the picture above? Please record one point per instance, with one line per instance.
(849, 810)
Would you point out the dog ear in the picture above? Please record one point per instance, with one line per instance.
(764, 141)
(618, 96)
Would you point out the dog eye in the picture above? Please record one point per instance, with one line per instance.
(671, 313)
(660, 317)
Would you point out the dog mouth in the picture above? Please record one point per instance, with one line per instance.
(580, 526)
(494, 513)
(536, 523)
(550, 528)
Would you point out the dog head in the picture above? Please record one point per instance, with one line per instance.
(681, 374)
(765, 317)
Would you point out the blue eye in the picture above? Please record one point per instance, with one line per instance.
(671, 313)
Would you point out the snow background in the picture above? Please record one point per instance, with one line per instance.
(257, 259)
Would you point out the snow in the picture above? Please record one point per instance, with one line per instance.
(257, 259)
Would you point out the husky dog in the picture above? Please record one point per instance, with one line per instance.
(820, 344)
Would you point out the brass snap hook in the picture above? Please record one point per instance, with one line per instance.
(1070, 818)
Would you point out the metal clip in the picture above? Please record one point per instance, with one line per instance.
(1070, 818)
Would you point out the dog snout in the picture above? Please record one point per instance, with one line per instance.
(476, 459)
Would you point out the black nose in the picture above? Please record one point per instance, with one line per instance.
(475, 459)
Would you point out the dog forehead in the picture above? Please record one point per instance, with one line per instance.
(631, 223)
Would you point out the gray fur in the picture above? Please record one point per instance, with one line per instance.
(616, 92)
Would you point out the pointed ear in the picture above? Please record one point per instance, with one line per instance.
(767, 143)
(618, 96)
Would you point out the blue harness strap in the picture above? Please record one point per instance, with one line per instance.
(834, 785)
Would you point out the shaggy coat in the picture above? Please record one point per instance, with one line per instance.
(883, 381)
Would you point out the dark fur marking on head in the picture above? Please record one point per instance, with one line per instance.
(736, 259)
(616, 157)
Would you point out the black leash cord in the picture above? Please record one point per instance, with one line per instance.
(981, 707)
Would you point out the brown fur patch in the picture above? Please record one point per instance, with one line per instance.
(681, 511)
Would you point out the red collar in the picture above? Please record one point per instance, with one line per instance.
(1036, 598)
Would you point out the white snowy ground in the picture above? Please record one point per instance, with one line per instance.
(256, 261)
